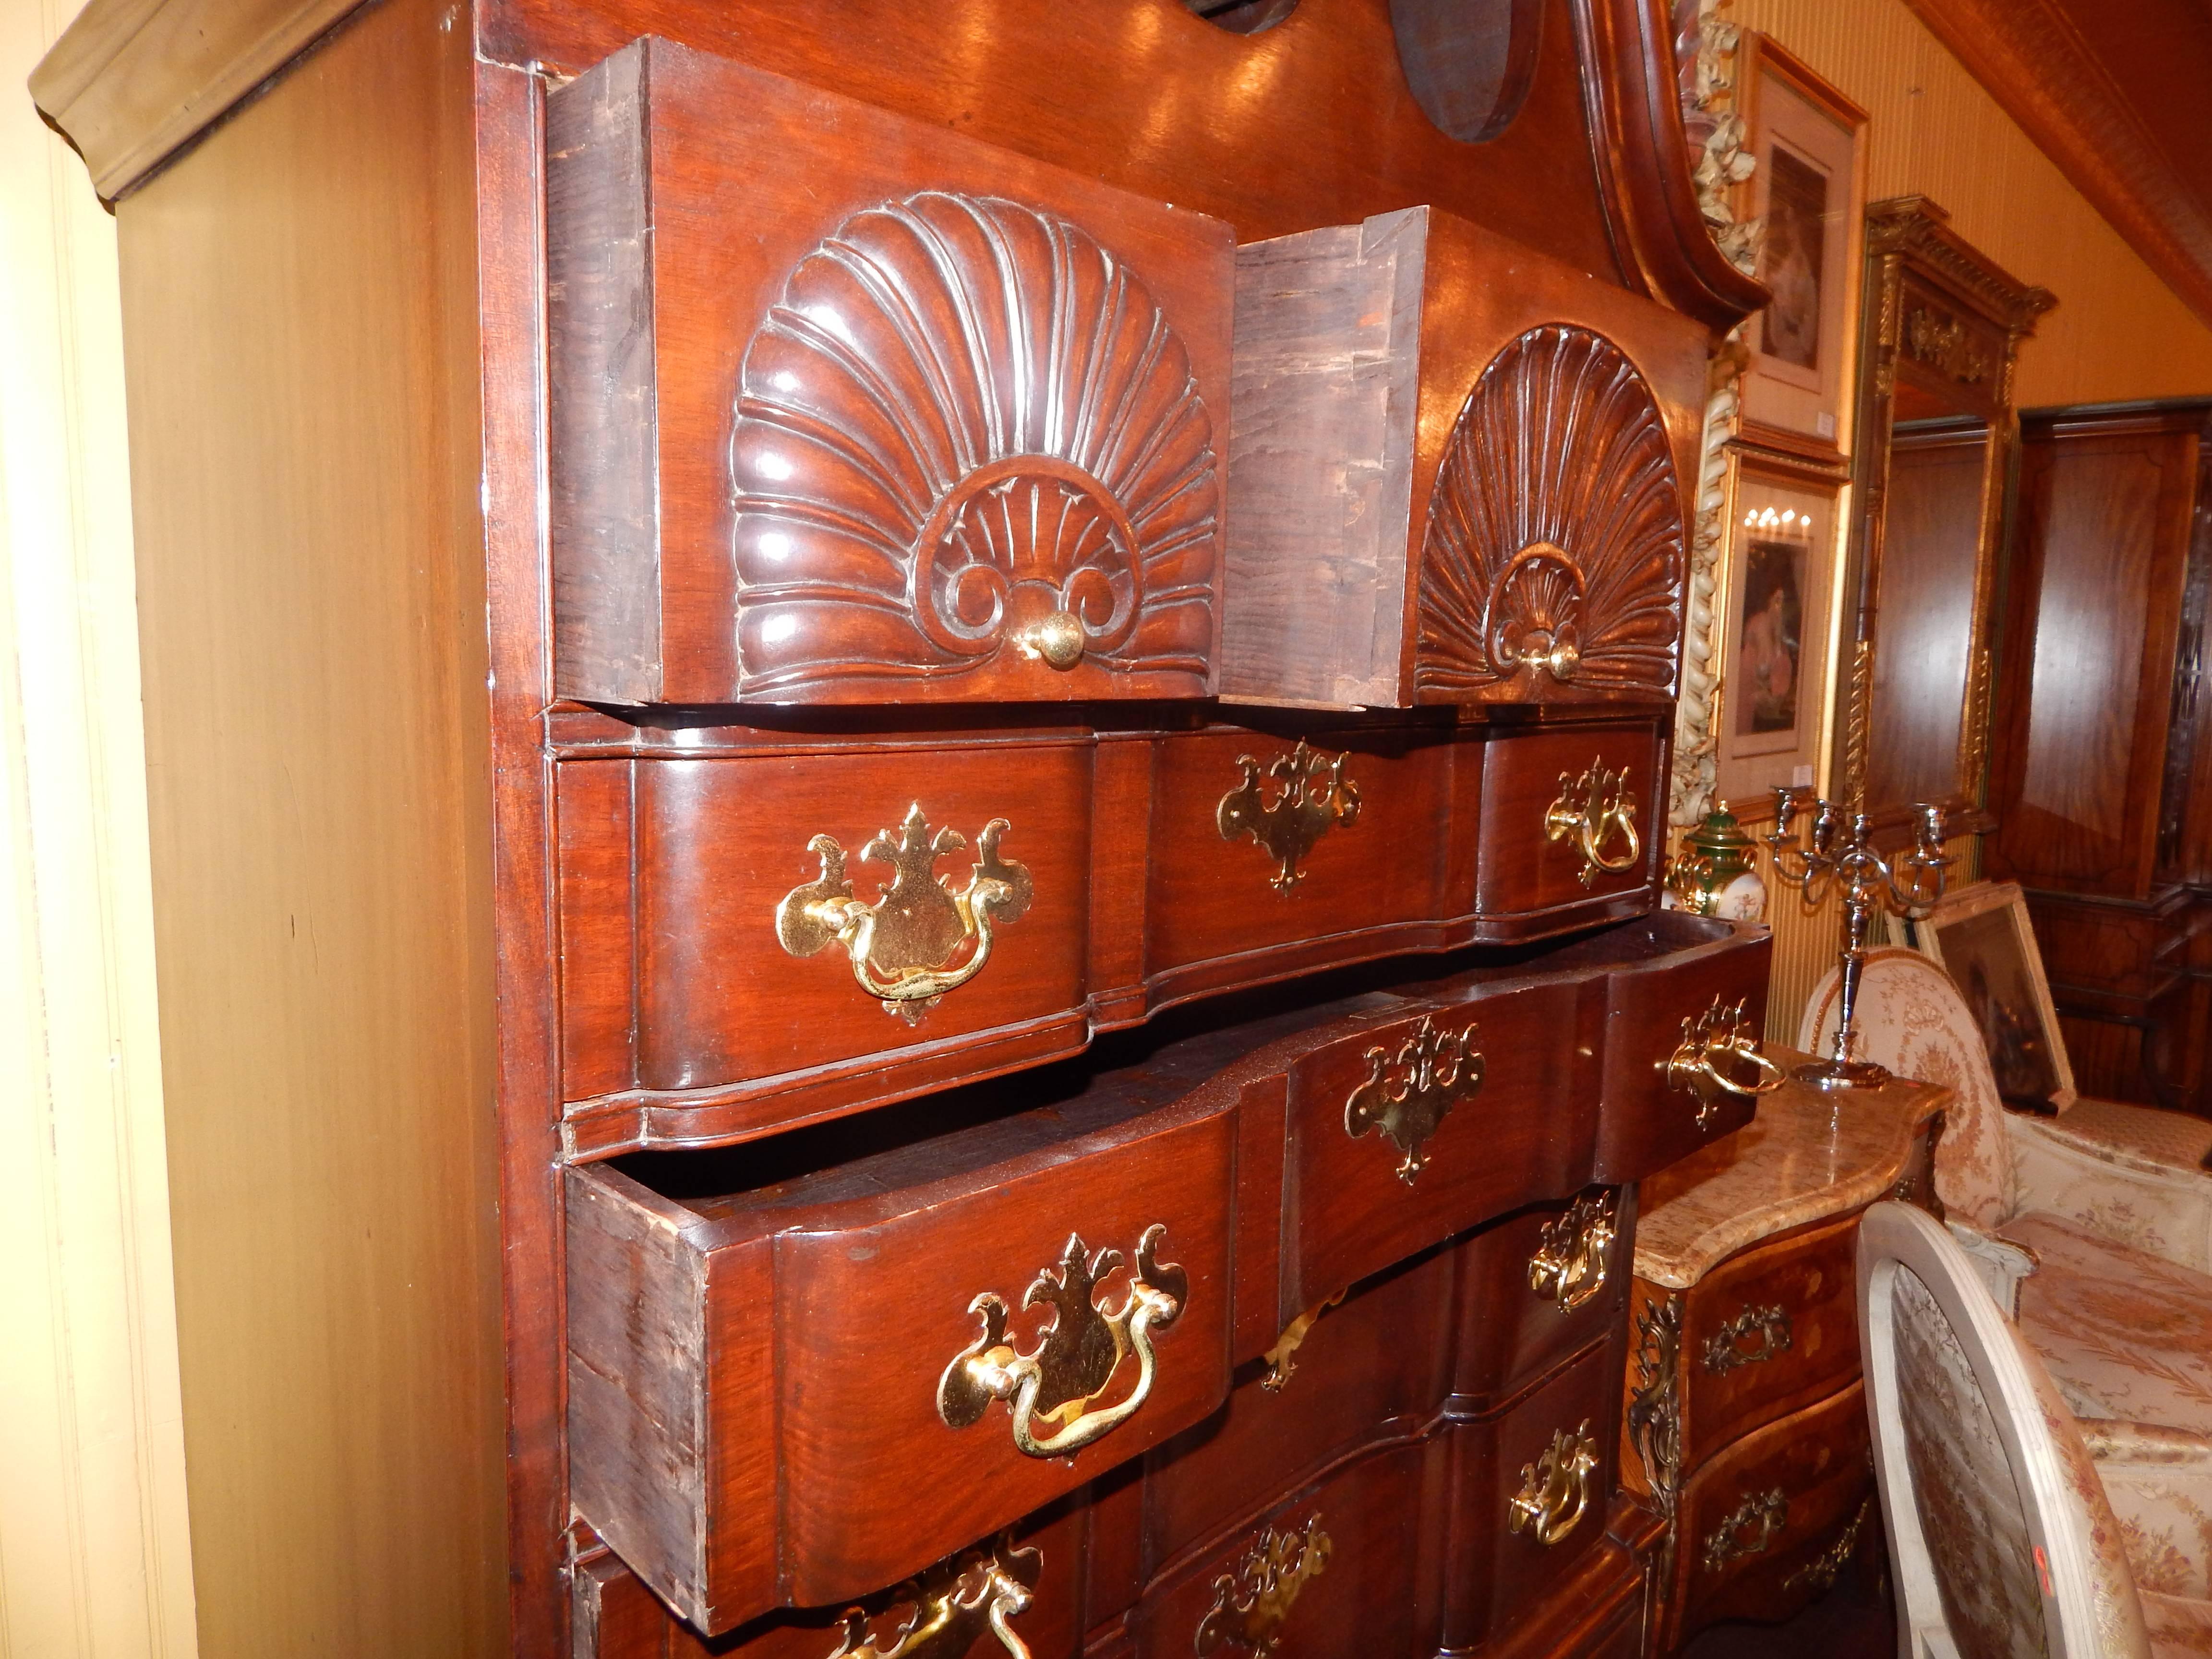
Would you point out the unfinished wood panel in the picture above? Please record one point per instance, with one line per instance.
(299, 296)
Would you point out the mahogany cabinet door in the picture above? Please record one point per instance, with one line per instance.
(846, 407)
(1458, 474)
(1537, 1288)
(1766, 1333)
(723, 846)
(1405, 1133)
(1652, 1117)
(1760, 1530)
(1330, 1572)
(1572, 828)
(765, 1399)
(1547, 1463)
(1238, 872)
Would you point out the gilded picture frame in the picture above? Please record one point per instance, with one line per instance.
(1981, 935)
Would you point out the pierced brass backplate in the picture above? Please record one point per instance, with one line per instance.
(1570, 1262)
(1314, 795)
(1058, 1384)
(1713, 1046)
(1748, 1529)
(1593, 811)
(1249, 1605)
(919, 939)
(1751, 1338)
(1406, 1095)
(1556, 1489)
(954, 1604)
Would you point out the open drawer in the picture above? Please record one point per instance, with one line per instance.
(795, 1394)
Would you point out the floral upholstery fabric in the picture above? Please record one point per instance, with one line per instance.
(1911, 1020)
(2121, 1195)
(1973, 1516)
(2178, 1626)
(2112, 1590)
(2179, 1140)
(2159, 1483)
(2125, 1333)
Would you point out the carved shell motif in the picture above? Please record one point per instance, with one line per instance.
(967, 430)
(1551, 565)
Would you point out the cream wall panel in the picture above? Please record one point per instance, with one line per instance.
(2118, 332)
(95, 1554)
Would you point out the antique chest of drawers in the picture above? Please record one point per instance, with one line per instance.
(909, 775)
(1746, 1426)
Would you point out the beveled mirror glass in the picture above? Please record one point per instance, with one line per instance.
(1942, 327)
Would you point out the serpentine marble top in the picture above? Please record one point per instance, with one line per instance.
(1806, 1156)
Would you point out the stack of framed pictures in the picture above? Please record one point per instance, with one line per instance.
(1789, 462)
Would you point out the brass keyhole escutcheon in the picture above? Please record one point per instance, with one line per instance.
(1312, 794)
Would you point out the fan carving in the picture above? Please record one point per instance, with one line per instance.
(1552, 560)
(967, 437)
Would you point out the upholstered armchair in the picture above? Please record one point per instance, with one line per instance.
(2102, 1255)
(2007, 1516)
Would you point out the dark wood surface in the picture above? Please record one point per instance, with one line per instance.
(405, 358)
(2101, 776)
(669, 893)
(716, 1341)
(1418, 402)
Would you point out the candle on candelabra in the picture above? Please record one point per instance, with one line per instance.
(1836, 850)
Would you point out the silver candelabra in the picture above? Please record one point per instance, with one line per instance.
(1837, 850)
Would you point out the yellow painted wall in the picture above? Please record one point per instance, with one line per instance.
(2119, 331)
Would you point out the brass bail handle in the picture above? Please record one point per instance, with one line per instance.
(1713, 1045)
(1570, 1263)
(1594, 811)
(952, 1605)
(1058, 1383)
(1555, 1489)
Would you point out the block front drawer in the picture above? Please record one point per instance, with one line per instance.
(943, 1337)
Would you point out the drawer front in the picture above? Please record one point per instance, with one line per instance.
(1539, 1287)
(873, 1321)
(1373, 1366)
(1767, 1332)
(1261, 840)
(1402, 1136)
(1754, 1526)
(1656, 1114)
(1560, 804)
(905, 417)
(1033, 1574)
(1328, 1573)
(1529, 1496)
(734, 883)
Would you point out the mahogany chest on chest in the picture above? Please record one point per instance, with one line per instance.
(1013, 986)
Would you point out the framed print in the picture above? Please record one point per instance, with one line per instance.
(1981, 936)
(1778, 579)
(1808, 193)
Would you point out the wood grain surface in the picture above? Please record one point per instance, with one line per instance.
(299, 311)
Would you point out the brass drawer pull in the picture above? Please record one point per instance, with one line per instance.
(1556, 1489)
(1250, 1604)
(1314, 795)
(1749, 1530)
(954, 1604)
(1732, 1345)
(1077, 1354)
(1408, 1096)
(1713, 1046)
(904, 947)
(1570, 1263)
(1594, 809)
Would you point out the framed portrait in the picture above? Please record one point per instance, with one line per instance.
(1808, 191)
(1981, 936)
(1778, 579)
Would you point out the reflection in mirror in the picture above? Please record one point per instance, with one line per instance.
(1924, 608)
(1468, 62)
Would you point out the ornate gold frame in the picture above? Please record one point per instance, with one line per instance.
(1940, 313)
